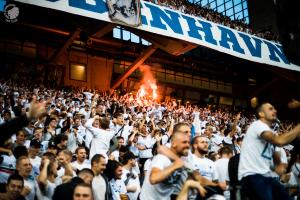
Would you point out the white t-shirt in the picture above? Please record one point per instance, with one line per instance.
(283, 160)
(157, 112)
(283, 157)
(203, 123)
(132, 182)
(88, 138)
(100, 141)
(88, 95)
(206, 168)
(7, 167)
(81, 131)
(215, 142)
(159, 191)
(196, 123)
(116, 155)
(117, 188)
(35, 162)
(122, 131)
(147, 142)
(293, 181)
(256, 153)
(61, 172)
(147, 165)
(85, 113)
(77, 166)
(99, 187)
(222, 169)
(165, 139)
(295, 173)
(49, 190)
(33, 185)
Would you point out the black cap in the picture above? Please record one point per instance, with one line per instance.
(35, 143)
(51, 144)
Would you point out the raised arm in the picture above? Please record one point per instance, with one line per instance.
(158, 175)
(170, 131)
(89, 124)
(190, 184)
(42, 178)
(281, 139)
(7, 129)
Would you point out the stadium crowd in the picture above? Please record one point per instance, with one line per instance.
(82, 144)
(207, 13)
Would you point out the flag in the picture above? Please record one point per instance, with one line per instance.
(127, 12)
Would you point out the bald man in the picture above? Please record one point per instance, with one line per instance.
(164, 173)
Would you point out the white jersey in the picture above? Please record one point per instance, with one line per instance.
(163, 190)
(99, 187)
(133, 181)
(147, 142)
(79, 166)
(296, 173)
(85, 113)
(81, 131)
(7, 167)
(33, 186)
(147, 165)
(256, 153)
(283, 160)
(205, 167)
(48, 191)
(121, 131)
(36, 163)
(222, 169)
(117, 188)
(101, 139)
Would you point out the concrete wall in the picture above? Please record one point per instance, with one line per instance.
(99, 70)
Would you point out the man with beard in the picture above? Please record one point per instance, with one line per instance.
(114, 172)
(164, 173)
(205, 166)
(257, 153)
